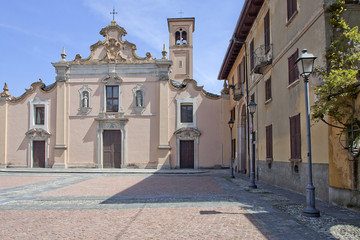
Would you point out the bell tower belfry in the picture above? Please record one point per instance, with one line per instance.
(181, 47)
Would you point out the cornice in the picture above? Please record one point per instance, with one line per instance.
(39, 84)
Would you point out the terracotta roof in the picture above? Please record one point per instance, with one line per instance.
(247, 17)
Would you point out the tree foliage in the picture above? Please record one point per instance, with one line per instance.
(339, 87)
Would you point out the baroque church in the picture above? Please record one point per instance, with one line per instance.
(115, 109)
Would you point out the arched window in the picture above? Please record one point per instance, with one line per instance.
(180, 37)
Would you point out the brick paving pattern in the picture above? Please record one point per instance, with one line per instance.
(143, 206)
(155, 223)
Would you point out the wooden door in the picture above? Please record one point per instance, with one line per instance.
(111, 149)
(186, 154)
(39, 154)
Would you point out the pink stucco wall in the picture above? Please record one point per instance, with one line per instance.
(19, 124)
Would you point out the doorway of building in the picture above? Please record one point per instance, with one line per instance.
(112, 149)
(186, 153)
(39, 154)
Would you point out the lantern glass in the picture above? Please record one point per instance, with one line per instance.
(252, 107)
(231, 124)
(305, 63)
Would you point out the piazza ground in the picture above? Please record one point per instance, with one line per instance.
(196, 205)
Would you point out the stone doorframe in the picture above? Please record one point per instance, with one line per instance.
(187, 134)
(37, 134)
(109, 123)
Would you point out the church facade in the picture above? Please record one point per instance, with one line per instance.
(115, 109)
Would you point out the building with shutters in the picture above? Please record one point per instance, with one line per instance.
(259, 66)
(115, 109)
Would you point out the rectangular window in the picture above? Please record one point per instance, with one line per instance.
(269, 143)
(242, 64)
(112, 98)
(232, 80)
(39, 115)
(293, 70)
(232, 114)
(291, 8)
(295, 137)
(252, 97)
(267, 32)
(268, 89)
(252, 55)
(186, 113)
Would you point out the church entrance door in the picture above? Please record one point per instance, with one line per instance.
(186, 153)
(112, 149)
(39, 154)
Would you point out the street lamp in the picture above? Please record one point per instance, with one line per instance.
(305, 65)
(231, 125)
(252, 109)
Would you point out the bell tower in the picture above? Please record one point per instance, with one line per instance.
(181, 47)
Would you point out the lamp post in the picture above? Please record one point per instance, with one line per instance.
(305, 65)
(252, 109)
(231, 125)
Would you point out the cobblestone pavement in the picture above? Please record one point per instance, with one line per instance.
(144, 206)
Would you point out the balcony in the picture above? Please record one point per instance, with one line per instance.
(262, 59)
(238, 92)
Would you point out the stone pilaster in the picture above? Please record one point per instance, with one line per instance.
(164, 148)
(61, 144)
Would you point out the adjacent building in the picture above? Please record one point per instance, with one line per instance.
(259, 66)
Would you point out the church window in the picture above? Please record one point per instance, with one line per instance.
(186, 113)
(39, 115)
(112, 98)
(180, 64)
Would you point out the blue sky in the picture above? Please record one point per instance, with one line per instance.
(33, 33)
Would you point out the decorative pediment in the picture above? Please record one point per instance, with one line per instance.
(187, 133)
(113, 48)
(38, 133)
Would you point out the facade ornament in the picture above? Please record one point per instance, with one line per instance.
(63, 55)
(5, 93)
(139, 99)
(225, 90)
(112, 47)
(164, 52)
(164, 77)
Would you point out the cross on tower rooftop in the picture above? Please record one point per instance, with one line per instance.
(113, 13)
(181, 13)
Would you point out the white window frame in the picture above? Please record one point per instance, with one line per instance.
(186, 100)
(39, 103)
